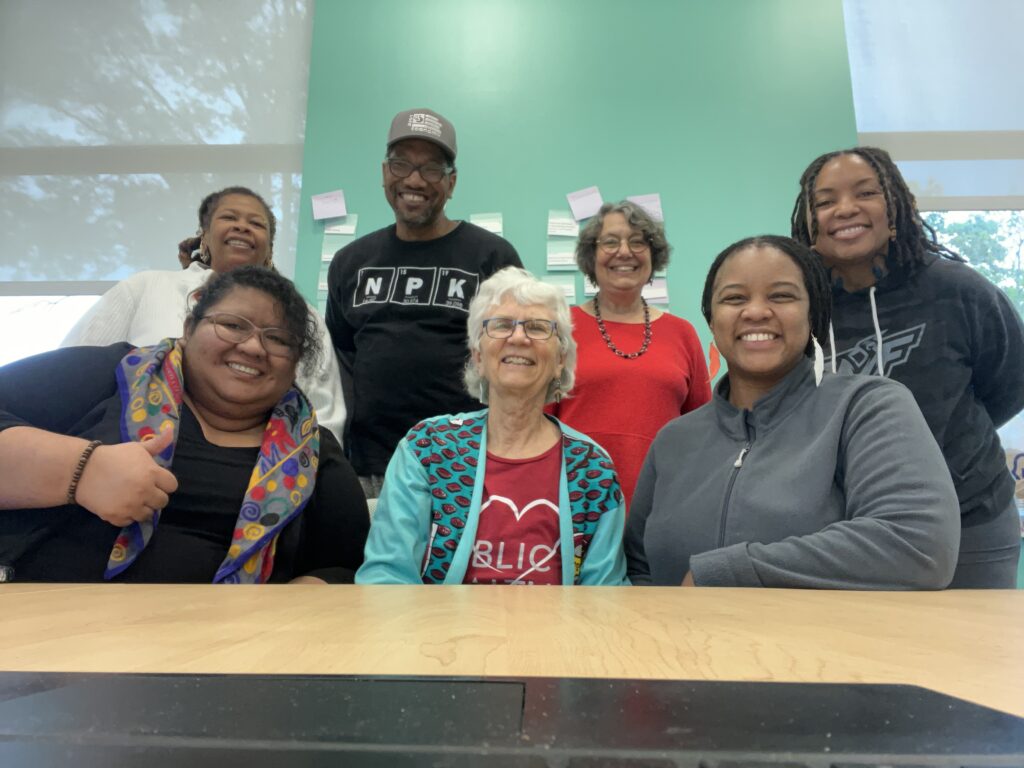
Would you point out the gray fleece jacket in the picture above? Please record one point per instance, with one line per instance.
(840, 486)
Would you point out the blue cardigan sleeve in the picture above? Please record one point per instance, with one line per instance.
(397, 543)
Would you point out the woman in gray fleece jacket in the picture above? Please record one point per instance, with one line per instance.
(789, 478)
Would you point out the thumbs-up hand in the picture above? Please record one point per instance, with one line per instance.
(123, 483)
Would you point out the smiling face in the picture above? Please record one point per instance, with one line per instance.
(849, 208)
(418, 204)
(518, 366)
(759, 317)
(621, 270)
(238, 234)
(237, 380)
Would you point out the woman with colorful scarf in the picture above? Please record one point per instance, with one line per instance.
(193, 460)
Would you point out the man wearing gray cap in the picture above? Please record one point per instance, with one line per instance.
(398, 298)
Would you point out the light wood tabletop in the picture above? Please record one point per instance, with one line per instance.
(965, 643)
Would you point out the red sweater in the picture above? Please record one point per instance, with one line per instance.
(623, 403)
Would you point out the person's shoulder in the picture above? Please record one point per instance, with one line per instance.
(371, 240)
(149, 277)
(847, 389)
(697, 421)
(946, 275)
(675, 323)
(482, 238)
(79, 359)
(454, 425)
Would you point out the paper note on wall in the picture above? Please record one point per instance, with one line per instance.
(585, 202)
(345, 225)
(329, 205)
(650, 203)
(566, 283)
(492, 222)
(562, 224)
(561, 253)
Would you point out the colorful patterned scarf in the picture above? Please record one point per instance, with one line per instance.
(150, 382)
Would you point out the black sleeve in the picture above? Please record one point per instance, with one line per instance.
(504, 256)
(54, 390)
(336, 520)
(997, 343)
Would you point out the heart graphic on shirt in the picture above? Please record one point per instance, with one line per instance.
(518, 513)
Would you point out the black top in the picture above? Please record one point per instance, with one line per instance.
(69, 543)
(397, 316)
(955, 341)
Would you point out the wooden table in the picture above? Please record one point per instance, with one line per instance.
(965, 643)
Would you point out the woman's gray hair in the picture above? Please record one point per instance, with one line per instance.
(525, 289)
(638, 219)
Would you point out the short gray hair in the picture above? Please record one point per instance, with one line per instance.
(525, 289)
(638, 219)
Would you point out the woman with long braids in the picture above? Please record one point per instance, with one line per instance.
(908, 308)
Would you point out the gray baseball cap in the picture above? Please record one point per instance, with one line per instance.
(423, 124)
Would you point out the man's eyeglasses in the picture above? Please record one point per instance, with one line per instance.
(236, 329)
(636, 244)
(431, 172)
(535, 328)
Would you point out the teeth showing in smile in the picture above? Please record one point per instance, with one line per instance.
(238, 243)
(757, 336)
(849, 232)
(625, 268)
(516, 360)
(412, 197)
(243, 369)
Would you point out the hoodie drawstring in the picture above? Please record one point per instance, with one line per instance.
(878, 334)
(832, 345)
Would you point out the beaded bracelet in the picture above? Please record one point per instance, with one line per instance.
(79, 469)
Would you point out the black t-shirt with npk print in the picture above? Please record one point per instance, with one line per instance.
(397, 315)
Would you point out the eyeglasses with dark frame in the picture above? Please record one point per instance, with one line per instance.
(235, 329)
(535, 328)
(430, 172)
(636, 243)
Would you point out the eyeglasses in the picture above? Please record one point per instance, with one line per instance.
(235, 329)
(535, 328)
(432, 172)
(636, 244)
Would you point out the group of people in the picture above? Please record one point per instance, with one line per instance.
(191, 428)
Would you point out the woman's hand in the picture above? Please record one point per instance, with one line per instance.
(123, 484)
(186, 248)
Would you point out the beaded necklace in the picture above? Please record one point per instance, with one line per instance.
(608, 339)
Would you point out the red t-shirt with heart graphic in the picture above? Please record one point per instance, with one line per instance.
(517, 536)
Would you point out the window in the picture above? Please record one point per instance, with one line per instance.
(117, 121)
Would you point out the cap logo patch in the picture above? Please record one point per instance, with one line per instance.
(423, 123)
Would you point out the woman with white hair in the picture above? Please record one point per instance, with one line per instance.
(506, 495)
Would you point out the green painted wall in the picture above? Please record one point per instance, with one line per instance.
(716, 105)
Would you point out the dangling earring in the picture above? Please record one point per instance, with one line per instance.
(483, 392)
(558, 390)
(819, 361)
(892, 234)
(714, 360)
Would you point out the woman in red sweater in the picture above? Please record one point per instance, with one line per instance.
(638, 367)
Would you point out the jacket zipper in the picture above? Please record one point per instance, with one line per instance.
(737, 466)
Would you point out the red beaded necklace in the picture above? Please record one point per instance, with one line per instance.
(608, 339)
